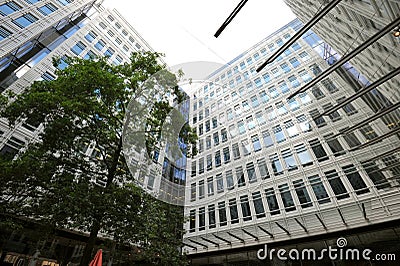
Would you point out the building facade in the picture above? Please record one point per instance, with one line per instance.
(272, 170)
(32, 32)
(349, 25)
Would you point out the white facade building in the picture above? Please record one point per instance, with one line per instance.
(269, 170)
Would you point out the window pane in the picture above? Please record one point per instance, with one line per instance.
(302, 193)
(336, 184)
(319, 189)
(244, 202)
(272, 202)
(286, 197)
(258, 205)
(355, 179)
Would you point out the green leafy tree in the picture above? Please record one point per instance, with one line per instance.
(55, 183)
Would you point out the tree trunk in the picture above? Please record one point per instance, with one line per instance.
(87, 253)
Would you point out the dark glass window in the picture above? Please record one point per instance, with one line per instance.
(211, 216)
(319, 189)
(47, 9)
(302, 193)
(355, 179)
(251, 172)
(258, 205)
(25, 20)
(286, 197)
(233, 211)
(202, 218)
(222, 213)
(272, 202)
(334, 145)
(220, 183)
(276, 164)
(263, 169)
(318, 150)
(8, 8)
(240, 176)
(375, 174)
(4, 33)
(336, 184)
(192, 222)
(244, 203)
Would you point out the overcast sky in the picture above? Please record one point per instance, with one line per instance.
(184, 29)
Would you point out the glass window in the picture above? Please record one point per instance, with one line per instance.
(216, 138)
(289, 160)
(201, 165)
(319, 189)
(209, 162)
(220, 183)
(334, 145)
(266, 78)
(318, 119)
(65, 2)
(318, 150)
(78, 48)
(272, 202)
(246, 106)
(244, 203)
(295, 63)
(276, 73)
(9, 8)
(100, 45)
(279, 135)
(285, 67)
(276, 164)
(304, 124)
(258, 205)
(280, 106)
(256, 143)
(235, 150)
(233, 211)
(329, 85)
(256, 56)
(240, 176)
(246, 147)
(267, 139)
(315, 69)
(351, 139)
(271, 47)
(279, 42)
(258, 83)
(263, 51)
(211, 216)
(302, 193)
(304, 56)
(201, 189)
(222, 213)
(25, 20)
(260, 118)
(224, 135)
(355, 179)
(214, 122)
(264, 97)
(229, 179)
(250, 122)
(368, 132)
(254, 101)
(283, 87)
(304, 98)
(293, 104)
(227, 155)
(296, 46)
(193, 168)
(241, 127)
(210, 186)
(208, 142)
(293, 81)
(192, 221)
(193, 192)
(4, 33)
(348, 108)
(232, 131)
(202, 218)
(47, 9)
(334, 116)
(263, 169)
(375, 174)
(273, 92)
(109, 52)
(316, 91)
(208, 125)
(291, 129)
(242, 65)
(305, 76)
(217, 158)
(303, 154)
(336, 184)
(286, 197)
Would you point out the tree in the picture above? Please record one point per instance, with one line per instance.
(54, 182)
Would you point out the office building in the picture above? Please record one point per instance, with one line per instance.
(272, 170)
(32, 32)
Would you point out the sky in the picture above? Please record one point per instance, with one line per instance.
(184, 29)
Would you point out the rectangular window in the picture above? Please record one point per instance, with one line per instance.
(193, 192)
(210, 186)
(217, 158)
(246, 147)
(318, 119)
(280, 106)
(355, 179)
(260, 118)
(329, 85)
(276, 73)
(211, 216)
(229, 179)
(4, 33)
(227, 156)
(276, 164)
(222, 213)
(233, 211)
(251, 172)
(214, 122)
(334, 145)
(224, 135)
(334, 116)
(294, 82)
(235, 150)
(303, 123)
(264, 97)
(295, 63)
(263, 169)
(209, 162)
(336, 184)
(192, 221)
(256, 143)
(193, 168)
(25, 20)
(283, 87)
(350, 138)
(216, 138)
(258, 205)
(375, 174)
(302, 193)
(305, 76)
(202, 218)
(258, 83)
(201, 189)
(9, 8)
(296, 46)
(241, 127)
(78, 48)
(240, 176)
(293, 104)
(319, 189)
(47, 9)
(244, 203)
(272, 202)
(267, 139)
(267, 78)
(291, 129)
(65, 2)
(289, 160)
(220, 183)
(286, 197)
(250, 122)
(109, 52)
(208, 142)
(100, 45)
(348, 108)
(285, 67)
(368, 132)
(90, 55)
(279, 135)
(303, 154)
(318, 150)
(201, 165)
(254, 101)
(316, 91)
